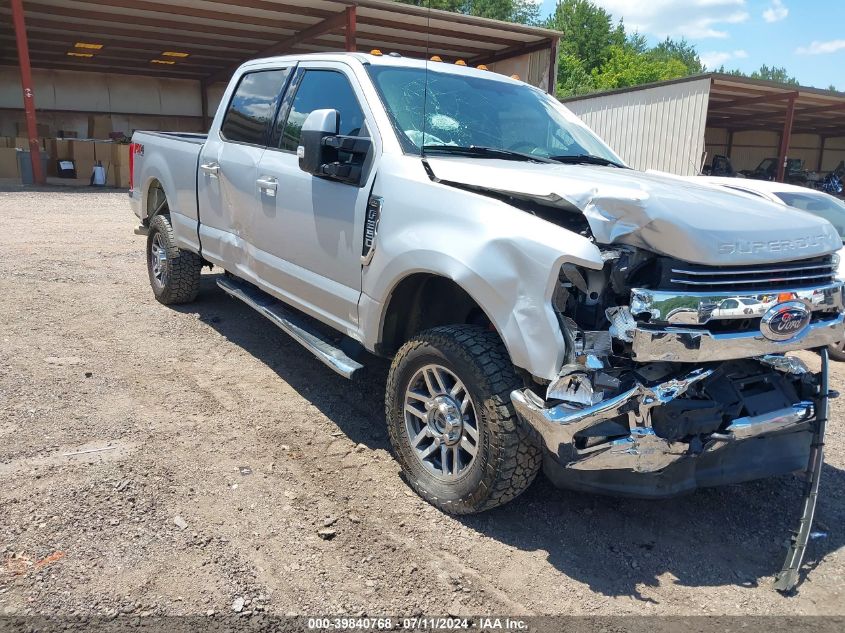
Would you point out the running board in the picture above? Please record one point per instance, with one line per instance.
(294, 325)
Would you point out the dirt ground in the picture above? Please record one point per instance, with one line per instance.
(222, 448)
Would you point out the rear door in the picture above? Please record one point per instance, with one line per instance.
(228, 169)
(308, 237)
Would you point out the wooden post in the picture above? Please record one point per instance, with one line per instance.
(28, 91)
(730, 148)
(351, 23)
(553, 66)
(785, 139)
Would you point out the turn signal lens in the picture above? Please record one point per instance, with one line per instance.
(785, 296)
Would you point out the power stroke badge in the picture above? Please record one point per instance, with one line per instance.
(785, 320)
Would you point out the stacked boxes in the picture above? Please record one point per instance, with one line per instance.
(114, 157)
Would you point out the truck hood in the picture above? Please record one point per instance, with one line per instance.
(694, 223)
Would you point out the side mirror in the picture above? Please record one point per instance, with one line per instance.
(321, 148)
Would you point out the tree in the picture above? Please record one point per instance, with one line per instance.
(627, 67)
(521, 11)
(774, 74)
(588, 32)
(680, 50)
(572, 78)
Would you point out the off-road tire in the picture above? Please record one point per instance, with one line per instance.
(836, 351)
(508, 456)
(182, 268)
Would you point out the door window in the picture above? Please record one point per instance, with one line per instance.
(319, 90)
(253, 106)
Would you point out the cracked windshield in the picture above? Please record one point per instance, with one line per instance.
(473, 112)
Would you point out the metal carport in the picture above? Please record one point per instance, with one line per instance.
(204, 40)
(672, 125)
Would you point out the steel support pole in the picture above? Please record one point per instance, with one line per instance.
(28, 91)
(351, 23)
(821, 153)
(785, 139)
(204, 105)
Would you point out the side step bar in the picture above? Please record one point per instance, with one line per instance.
(294, 325)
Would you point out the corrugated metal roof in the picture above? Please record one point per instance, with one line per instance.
(218, 35)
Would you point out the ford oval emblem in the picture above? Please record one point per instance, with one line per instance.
(785, 320)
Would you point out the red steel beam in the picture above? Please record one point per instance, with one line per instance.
(736, 103)
(351, 25)
(785, 139)
(329, 25)
(28, 92)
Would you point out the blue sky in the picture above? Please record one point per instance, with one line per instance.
(807, 37)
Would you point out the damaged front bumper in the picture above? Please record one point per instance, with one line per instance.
(643, 464)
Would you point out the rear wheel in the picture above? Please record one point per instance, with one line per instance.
(451, 422)
(174, 273)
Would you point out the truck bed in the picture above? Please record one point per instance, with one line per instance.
(171, 158)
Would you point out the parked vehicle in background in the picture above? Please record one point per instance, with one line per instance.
(721, 166)
(834, 182)
(520, 278)
(816, 202)
(768, 170)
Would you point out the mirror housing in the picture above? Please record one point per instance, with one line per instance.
(320, 147)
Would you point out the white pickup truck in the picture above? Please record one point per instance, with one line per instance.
(543, 304)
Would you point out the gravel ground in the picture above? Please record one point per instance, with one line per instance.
(221, 453)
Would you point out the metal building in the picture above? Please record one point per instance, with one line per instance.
(677, 126)
(95, 67)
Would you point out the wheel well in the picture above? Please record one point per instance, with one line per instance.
(156, 201)
(422, 301)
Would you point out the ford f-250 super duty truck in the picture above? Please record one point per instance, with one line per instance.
(542, 303)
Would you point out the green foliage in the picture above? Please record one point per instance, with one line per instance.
(780, 75)
(628, 67)
(520, 11)
(596, 54)
(680, 50)
(774, 74)
(588, 32)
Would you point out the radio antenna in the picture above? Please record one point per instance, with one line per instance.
(425, 85)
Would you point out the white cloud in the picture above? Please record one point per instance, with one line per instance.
(776, 12)
(821, 48)
(714, 59)
(692, 19)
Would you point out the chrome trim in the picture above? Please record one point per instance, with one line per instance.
(758, 271)
(698, 346)
(745, 282)
(697, 308)
(752, 426)
(333, 357)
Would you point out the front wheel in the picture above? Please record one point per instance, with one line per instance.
(174, 273)
(451, 423)
(837, 351)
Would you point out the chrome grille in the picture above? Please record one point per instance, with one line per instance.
(781, 276)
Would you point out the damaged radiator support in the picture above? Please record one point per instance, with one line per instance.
(788, 578)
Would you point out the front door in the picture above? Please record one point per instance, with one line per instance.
(308, 233)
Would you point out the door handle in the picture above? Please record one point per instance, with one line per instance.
(212, 169)
(268, 184)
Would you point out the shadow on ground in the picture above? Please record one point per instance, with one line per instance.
(734, 535)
